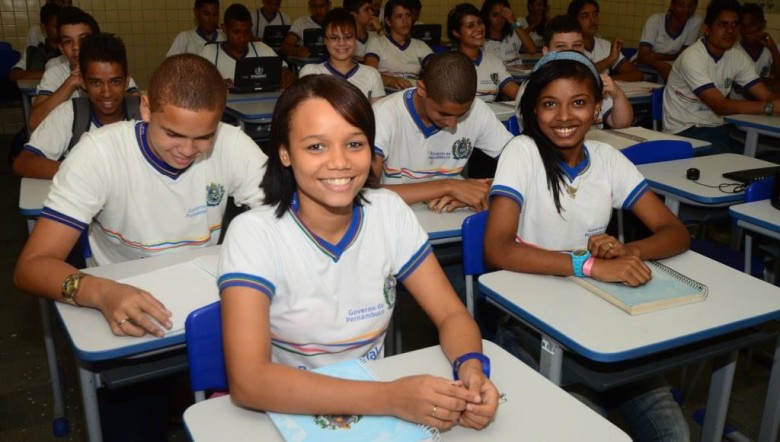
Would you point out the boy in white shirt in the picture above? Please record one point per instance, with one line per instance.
(192, 41)
(758, 45)
(293, 42)
(666, 35)
(364, 18)
(269, 15)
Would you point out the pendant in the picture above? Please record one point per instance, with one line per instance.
(571, 191)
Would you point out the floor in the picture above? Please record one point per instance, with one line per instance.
(25, 393)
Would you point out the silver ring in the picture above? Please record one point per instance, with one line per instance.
(122, 321)
(435, 407)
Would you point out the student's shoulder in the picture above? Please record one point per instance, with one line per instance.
(263, 49)
(392, 103)
(209, 51)
(383, 201)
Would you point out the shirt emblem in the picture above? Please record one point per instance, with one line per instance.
(461, 149)
(214, 194)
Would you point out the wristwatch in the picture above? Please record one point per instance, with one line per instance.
(468, 356)
(578, 258)
(70, 286)
(516, 25)
(769, 108)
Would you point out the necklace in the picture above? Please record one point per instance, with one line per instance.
(571, 191)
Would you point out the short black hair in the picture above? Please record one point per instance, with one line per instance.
(339, 18)
(455, 18)
(49, 11)
(354, 5)
(449, 76)
(753, 9)
(199, 3)
(561, 24)
(72, 15)
(103, 47)
(487, 6)
(716, 7)
(187, 81)
(576, 5)
(237, 12)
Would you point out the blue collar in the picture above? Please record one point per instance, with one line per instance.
(334, 251)
(428, 131)
(159, 165)
(208, 38)
(714, 57)
(573, 172)
(336, 73)
(395, 43)
(479, 58)
(667, 20)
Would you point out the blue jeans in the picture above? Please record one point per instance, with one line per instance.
(718, 136)
(647, 406)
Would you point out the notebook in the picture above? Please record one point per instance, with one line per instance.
(314, 42)
(667, 288)
(748, 176)
(273, 36)
(322, 428)
(257, 74)
(429, 34)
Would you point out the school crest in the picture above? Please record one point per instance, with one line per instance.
(214, 194)
(462, 148)
(494, 77)
(389, 290)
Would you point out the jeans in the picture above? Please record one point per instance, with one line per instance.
(647, 406)
(718, 136)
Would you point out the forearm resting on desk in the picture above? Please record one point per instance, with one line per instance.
(470, 192)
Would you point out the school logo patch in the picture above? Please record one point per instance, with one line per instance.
(462, 148)
(389, 290)
(214, 194)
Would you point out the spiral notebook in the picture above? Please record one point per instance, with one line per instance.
(667, 288)
(305, 427)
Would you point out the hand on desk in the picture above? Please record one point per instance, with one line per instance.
(129, 311)
(617, 262)
(481, 409)
(429, 400)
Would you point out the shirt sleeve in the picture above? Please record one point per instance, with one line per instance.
(48, 84)
(649, 32)
(493, 135)
(178, 46)
(694, 74)
(52, 137)
(411, 240)
(628, 184)
(377, 87)
(246, 163)
(247, 256)
(514, 171)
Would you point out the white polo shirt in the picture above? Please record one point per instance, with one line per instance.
(261, 21)
(366, 78)
(601, 50)
(492, 76)
(226, 63)
(506, 49)
(395, 59)
(656, 34)
(193, 42)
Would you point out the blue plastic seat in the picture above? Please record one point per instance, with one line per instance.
(203, 331)
(473, 238)
(658, 150)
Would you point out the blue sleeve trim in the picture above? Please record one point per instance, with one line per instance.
(752, 83)
(379, 151)
(617, 66)
(63, 219)
(45, 92)
(132, 90)
(703, 88)
(506, 192)
(414, 261)
(635, 195)
(245, 280)
(422, 62)
(34, 150)
(505, 82)
(645, 43)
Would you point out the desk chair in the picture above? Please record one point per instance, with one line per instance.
(203, 331)
(513, 125)
(473, 238)
(657, 107)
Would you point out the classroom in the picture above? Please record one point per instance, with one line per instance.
(672, 216)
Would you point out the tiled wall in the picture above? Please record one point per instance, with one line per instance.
(149, 26)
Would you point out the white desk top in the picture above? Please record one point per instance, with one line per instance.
(256, 96)
(763, 122)
(32, 194)
(668, 177)
(592, 327)
(441, 227)
(758, 213)
(504, 110)
(255, 111)
(630, 136)
(535, 409)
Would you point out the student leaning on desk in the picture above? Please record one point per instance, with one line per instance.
(153, 186)
(310, 278)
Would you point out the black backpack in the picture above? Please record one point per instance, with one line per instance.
(82, 116)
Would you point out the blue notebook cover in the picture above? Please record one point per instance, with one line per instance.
(667, 288)
(304, 427)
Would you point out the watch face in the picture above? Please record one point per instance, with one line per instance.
(580, 252)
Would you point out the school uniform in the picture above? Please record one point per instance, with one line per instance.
(329, 302)
(657, 36)
(397, 59)
(492, 76)
(764, 68)
(226, 63)
(600, 50)
(193, 41)
(414, 152)
(136, 206)
(261, 21)
(366, 78)
(301, 24)
(361, 45)
(506, 49)
(57, 72)
(537, 38)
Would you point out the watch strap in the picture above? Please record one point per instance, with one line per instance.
(468, 356)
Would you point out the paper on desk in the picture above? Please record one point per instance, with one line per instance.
(633, 88)
(182, 288)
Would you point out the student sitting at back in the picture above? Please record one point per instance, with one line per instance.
(62, 81)
(666, 35)
(757, 44)
(608, 56)
(396, 54)
(293, 42)
(103, 70)
(536, 20)
(364, 17)
(425, 136)
(465, 27)
(37, 35)
(237, 45)
(505, 34)
(34, 58)
(340, 29)
(143, 189)
(269, 15)
(192, 41)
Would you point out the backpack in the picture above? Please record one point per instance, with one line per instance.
(82, 116)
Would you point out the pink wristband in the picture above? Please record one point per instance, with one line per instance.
(587, 266)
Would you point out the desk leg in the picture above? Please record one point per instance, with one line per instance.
(90, 402)
(54, 372)
(770, 421)
(751, 142)
(551, 360)
(673, 204)
(748, 252)
(718, 397)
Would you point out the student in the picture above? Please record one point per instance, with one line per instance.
(550, 204)
(536, 20)
(269, 15)
(237, 45)
(34, 58)
(104, 75)
(340, 30)
(320, 203)
(564, 33)
(704, 74)
(153, 187)
(607, 56)
(425, 136)
(37, 35)
(465, 27)
(666, 35)
(396, 54)
(505, 34)
(757, 44)
(293, 42)
(62, 81)
(364, 19)
(193, 41)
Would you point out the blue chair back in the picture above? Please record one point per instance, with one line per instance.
(513, 125)
(658, 150)
(657, 107)
(759, 190)
(473, 239)
(203, 331)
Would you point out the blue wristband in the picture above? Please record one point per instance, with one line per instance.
(468, 356)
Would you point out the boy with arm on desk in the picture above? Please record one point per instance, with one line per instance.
(34, 58)
(425, 136)
(293, 42)
(192, 41)
(152, 187)
(103, 70)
